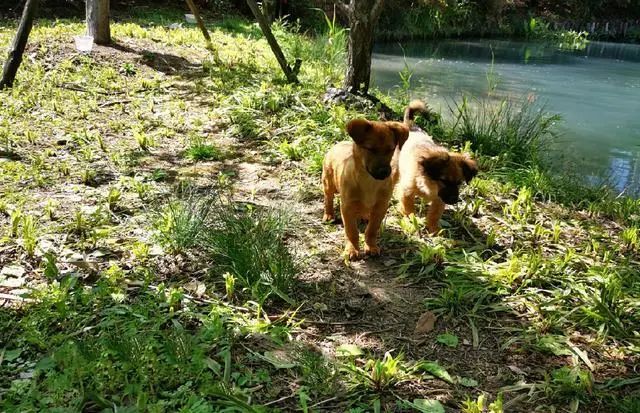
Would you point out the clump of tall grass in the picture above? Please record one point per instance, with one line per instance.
(323, 55)
(249, 243)
(515, 132)
(245, 243)
(181, 223)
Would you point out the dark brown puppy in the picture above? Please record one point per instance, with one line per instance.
(360, 171)
(430, 171)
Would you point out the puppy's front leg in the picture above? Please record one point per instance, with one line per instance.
(350, 222)
(433, 216)
(373, 228)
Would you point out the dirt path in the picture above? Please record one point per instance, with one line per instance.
(368, 303)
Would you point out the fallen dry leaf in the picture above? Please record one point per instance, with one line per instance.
(425, 323)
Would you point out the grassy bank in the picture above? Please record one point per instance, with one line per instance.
(161, 246)
(429, 24)
(505, 20)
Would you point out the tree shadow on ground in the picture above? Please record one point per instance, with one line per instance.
(162, 62)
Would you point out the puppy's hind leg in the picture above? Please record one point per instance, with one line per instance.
(407, 203)
(329, 193)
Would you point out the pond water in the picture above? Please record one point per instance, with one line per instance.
(596, 91)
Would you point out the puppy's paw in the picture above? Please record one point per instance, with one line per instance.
(372, 251)
(351, 253)
(433, 230)
(328, 218)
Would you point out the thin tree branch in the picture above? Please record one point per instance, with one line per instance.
(196, 14)
(273, 43)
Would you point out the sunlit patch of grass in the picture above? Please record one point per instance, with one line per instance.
(111, 361)
(201, 151)
(379, 375)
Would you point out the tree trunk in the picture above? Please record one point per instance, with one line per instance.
(363, 16)
(290, 73)
(98, 21)
(19, 43)
(196, 14)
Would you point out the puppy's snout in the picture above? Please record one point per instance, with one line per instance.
(452, 200)
(381, 172)
(449, 195)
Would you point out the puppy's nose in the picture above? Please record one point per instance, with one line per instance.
(382, 172)
(449, 197)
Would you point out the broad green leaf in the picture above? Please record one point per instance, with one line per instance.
(213, 365)
(435, 369)
(46, 363)
(428, 406)
(448, 340)
(11, 355)
(554, 344)
(467, 382)
(279, 359)
(348, 350)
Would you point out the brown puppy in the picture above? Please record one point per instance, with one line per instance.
(429, 171)
(360, 171)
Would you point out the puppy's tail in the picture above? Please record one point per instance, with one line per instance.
(416, 106)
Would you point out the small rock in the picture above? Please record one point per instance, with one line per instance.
(156, 250)
(196, 288)
(14, 270)
(426, 323)
(466, 342)
(44, 246)
(26, 374)
(320, 306)
(517, 370)
(11, 282)
(389, 263)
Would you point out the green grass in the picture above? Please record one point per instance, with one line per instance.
(200, 151)
(249, 243)
(165, 283)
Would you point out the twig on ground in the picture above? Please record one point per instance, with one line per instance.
(281, 399)
(323, 402)
(12, 297)
(334, 323)
(77, 88)
(113, 102)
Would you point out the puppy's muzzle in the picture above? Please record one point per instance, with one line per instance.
(381, 173)
(450, 195)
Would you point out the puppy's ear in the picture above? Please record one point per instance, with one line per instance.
(435, 163)
(469, 169)
(358, 129)
(400, 131)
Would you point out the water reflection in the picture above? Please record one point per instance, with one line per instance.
(596, 90)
